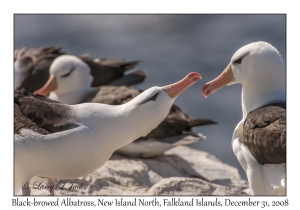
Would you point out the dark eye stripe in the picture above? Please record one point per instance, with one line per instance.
(239, 61)
(67, 74)
(153, 98)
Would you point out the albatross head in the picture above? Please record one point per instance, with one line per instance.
(259, 68)
(68, 74)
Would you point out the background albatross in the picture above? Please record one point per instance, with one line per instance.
(31, 69)
(259, 139)
(59, 141)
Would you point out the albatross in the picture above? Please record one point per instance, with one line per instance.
(70, 83)
(59, 141)
(31, 68)
(259, 139)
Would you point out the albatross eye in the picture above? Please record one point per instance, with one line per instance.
(153, 98)
(239, 61)
(67, 74)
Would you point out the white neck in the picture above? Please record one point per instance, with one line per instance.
(262, 74)
(70, 97)
(257, 96)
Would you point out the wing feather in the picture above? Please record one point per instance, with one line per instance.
(265, 134)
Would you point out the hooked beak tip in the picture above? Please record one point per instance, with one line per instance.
(205, 90)
(194, 75)
(177, 88)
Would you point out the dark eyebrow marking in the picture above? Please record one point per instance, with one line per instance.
(242, 57)
(67, 74)
(149, 99)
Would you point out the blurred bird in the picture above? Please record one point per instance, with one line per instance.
(31, 68)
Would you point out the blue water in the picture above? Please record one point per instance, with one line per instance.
(170, 47)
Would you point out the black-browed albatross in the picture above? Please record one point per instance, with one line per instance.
(60, 141)
(31, 69)
(259, 139)
(70, 83)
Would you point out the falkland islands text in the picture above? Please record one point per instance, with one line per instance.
(155, 202)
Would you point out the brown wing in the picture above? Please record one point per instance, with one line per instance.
(130, 79)
(265, 134)
(41, 114)
(105, 71)
(115, 95)
(177, 122)
(20, 121)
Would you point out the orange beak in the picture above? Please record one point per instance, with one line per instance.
(48, 87)
(225, 78)
(177, 88)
